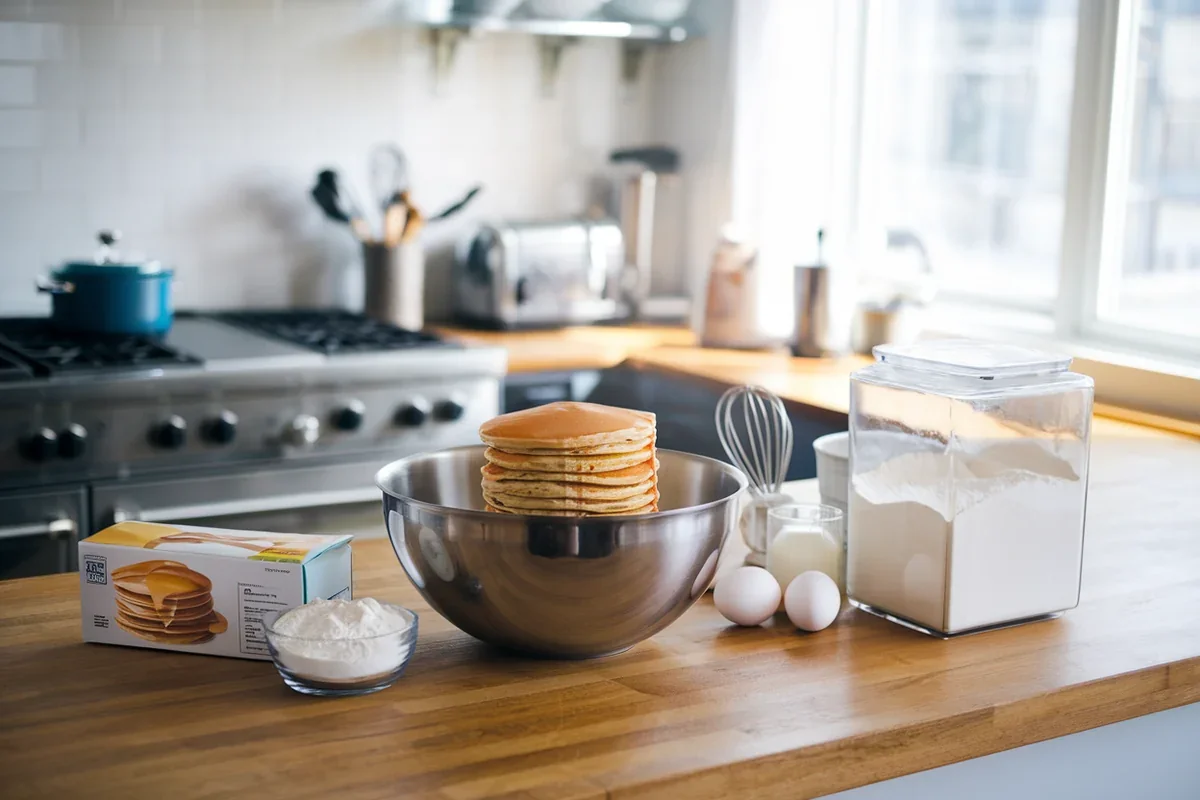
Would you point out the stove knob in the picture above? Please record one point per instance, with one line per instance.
(349, 417)
(449, 410)
(72, 441)
(413, 414)
(170, 434)
(41, 445)
(303, 431)
(221, 429)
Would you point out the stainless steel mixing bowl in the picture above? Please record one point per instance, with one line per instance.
(569, 587)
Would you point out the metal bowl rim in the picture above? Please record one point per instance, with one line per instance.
(393, 466)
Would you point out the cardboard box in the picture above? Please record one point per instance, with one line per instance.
(202, 590)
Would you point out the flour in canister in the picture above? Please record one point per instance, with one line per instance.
(342, 640)
(956, 542)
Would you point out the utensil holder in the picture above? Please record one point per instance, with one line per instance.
(394, 284)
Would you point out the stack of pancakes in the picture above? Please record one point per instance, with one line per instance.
(570, 459)
(164, 601)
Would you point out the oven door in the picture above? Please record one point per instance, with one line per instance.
(39, 531)
(334, 498)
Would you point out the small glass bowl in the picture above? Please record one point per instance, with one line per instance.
(346, 666)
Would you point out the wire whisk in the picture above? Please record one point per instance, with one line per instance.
(761, 446)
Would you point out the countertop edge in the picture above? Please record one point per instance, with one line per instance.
(821, 769)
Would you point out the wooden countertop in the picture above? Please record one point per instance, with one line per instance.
(703, 709)
(583, 347)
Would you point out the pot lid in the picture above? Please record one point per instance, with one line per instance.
(107, 259)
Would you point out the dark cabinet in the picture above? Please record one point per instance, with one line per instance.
(684, 406)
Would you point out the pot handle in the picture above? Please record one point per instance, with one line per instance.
(52, 286)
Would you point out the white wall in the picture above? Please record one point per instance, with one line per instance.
(196, 126)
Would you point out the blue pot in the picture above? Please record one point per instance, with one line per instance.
(111, 298)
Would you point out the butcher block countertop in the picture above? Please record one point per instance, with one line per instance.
(582, 347)
(702, 710)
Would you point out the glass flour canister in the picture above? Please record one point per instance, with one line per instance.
(968, 482)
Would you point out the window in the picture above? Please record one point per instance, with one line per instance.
(1157, 280)
(978, 102)
(1046, 155)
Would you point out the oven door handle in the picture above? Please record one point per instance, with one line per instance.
(254, 505)
(54, 527)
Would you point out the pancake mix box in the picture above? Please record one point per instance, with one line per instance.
(202, 590)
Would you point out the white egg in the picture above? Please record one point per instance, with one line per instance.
(812, 601)
(747, 596)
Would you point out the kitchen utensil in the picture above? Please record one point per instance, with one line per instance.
(110, 296)
(453, 209)
(394, 283)
(968, 485)
(539, 274)
(814, 326)
(660, 11)
(761, 447)
(333, 196)
(650, 208)
(567, 587)
(388, 175)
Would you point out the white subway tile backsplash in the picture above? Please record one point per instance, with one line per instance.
(32, 41)
(120, 44)
(196, 126)
(18, 171)
(20, 127)
(61, 128)
(17, 86)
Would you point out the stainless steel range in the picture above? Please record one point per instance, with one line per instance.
(273, 420)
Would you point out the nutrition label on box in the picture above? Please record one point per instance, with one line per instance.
(256, 605)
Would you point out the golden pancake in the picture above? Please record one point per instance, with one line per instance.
(180, 604)
(154, 626)
(168, 638)
(567, 464)
(624, 446)
(169, 613)
(162, 581)
(648, 509)
(549, 488)
(568, 427)
(626, 476)
(538, 505)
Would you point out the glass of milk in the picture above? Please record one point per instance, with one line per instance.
(806, 536)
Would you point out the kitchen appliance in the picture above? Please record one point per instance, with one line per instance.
(650, 206)
(110, 296)
(568, 587)
(541, 274)
(968, 485)
(260, 420)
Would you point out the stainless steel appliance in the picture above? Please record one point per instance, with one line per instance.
(541, 274)
(649, 201)
(272, 420)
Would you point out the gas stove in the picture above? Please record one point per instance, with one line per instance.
(232, 414)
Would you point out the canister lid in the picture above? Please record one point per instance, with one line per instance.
(972, 359)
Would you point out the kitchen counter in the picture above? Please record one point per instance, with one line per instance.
(582, 347)
(703, 709)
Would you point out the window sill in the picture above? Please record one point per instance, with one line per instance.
(1140, 387)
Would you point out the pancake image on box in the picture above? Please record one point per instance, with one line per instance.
(570, 459)
(165, 601)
